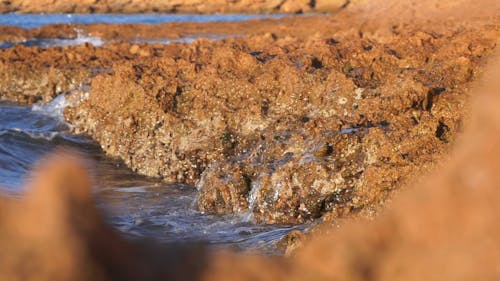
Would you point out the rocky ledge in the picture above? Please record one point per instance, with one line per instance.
(288, 129)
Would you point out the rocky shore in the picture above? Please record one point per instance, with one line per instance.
(450, 217)
(292, 120)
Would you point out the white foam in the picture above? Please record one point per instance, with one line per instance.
(82, 38)
(55, 108)
(252, 200)
(50, 135)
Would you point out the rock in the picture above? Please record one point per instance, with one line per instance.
(291, 242)
(330, 5)
(134, 49)
(301, 132)
(59, 227)
(296, 6)
(224, 191)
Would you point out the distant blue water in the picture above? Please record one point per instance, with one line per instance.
(37, 20)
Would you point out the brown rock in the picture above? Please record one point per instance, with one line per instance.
(330, 5)
(296, 6)
(134, 49)
(257, 115)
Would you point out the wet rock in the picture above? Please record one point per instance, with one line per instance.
(308, 186)
(228, 192)
(296, 6)
(237, 116)
(291, 242)
(12, 34)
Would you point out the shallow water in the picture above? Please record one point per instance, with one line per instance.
(37, 20)
(28, 21)
(80, 39)
(137, 206)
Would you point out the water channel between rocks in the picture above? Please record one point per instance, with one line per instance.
(137, 206)
(30, 21)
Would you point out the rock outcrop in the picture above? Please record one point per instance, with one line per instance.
(290, 129)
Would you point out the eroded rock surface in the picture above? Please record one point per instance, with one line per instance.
(290, 128)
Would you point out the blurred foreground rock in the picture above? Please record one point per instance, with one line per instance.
(56, 233)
